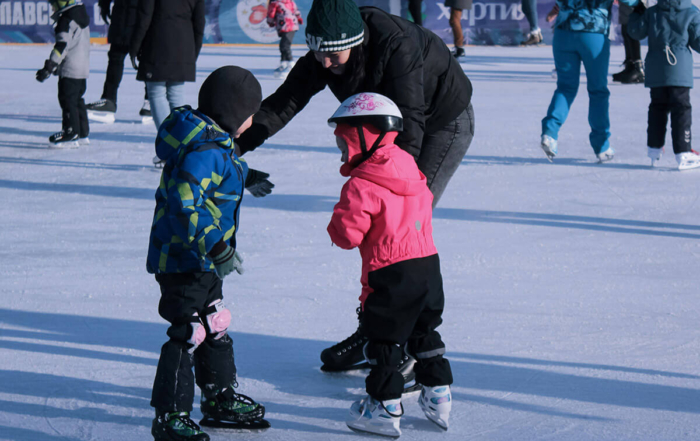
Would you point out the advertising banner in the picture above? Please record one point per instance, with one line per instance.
(489, 22)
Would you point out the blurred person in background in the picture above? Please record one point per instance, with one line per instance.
(456, 7)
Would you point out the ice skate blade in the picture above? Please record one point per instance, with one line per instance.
(103, 117)
(367, 432)
(65, 145)
(433, 418)
(146, 120)
(412, 389)
(354, 367)
(255, 426)
(690, 166)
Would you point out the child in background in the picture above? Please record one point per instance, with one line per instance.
(385, 209)
(70, 60)
(286, 18)
(673, 27)
(192, 248)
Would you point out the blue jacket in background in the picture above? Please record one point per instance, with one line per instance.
(672, 26)
(199, 196)
(587, 15)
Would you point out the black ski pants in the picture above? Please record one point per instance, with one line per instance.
(403, 311)
(70, 97)
(214, 369)
(115, 72)
(676, 101)
(286, 39)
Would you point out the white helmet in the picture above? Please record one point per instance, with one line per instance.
(369, 108)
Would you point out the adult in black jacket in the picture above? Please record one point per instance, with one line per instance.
(166, 41)
(368, 50)
(121, 19)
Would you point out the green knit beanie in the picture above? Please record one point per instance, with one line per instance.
(334, 25)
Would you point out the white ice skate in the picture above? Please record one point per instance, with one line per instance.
(84, 141)
(283, 70)
(145, 113)
(688, 160)
(654, 154)
(436, 403)
(606, 156)
(549, 145)
(157, 162)
(378, 417)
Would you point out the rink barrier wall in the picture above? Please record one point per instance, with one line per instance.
(489, 22)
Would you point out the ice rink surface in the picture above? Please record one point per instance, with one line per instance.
(572, 288)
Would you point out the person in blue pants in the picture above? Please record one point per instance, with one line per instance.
(581, 36)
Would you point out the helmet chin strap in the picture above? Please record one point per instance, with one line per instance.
(366, 154)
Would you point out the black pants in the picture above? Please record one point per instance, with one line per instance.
(115, 72)
(70, 97)
(442, 152)
(214, 369)
(404, 310)
(414, 7)
(286, 45)
(633, 48)
(676, 101)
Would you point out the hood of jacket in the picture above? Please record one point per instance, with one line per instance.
(351, 135)
(675, 4)
(186, 129)
(74, 11)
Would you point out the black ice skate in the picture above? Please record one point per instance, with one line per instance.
(409, 376)
(145, 113)
(346, 355)
(64, 140)
(229, 410)
(633, 73)
(176, 426)
(102, 111)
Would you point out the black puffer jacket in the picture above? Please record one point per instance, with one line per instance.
(405, 62)
(167, 39)
(123, 19)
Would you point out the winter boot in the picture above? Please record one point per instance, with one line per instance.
(145, 113)
(606, 155)
(64, 140)
(688, 160)
(102, 111)
(228, 409)
(533, 38)
(633, 73)
(176, 426)
(347, 354)
(458, 52)
(436, 403)
(654, 153)
(157, 162)
(549, 145)
(378, 417)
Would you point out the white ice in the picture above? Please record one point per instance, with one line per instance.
(572, 288)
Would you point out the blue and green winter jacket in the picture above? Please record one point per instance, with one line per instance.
(673, 27)
(199, 196)
(587, 15)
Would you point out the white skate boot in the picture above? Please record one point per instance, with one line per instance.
(688, 160)
(654, 154)
(606, 156)
(279, 71)
(436, 403)
(145, 113)
(549, 145)
(378, 417)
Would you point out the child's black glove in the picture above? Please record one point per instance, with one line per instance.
(257, 183)
(46, 71)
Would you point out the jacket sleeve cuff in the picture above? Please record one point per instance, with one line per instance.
(217, 249)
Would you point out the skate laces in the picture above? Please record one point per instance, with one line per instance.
(99, 102)
(181, 421)
(353, 341)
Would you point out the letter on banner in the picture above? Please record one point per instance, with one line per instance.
(29, 13)
(17, 18)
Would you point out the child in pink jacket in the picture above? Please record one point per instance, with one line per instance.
(286, 18)
(385, 209)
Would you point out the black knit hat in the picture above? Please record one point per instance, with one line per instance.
(334, 25)
(229, 96)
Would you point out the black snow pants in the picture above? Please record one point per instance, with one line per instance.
(403, 310)
(115, 72)
(676, 101)
(214, 369)
(286, 45)
(70, 97)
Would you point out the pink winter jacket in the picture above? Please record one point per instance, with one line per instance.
(284, 16)
(385, 207)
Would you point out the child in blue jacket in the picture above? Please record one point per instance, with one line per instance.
(193, 247)
(673, 27)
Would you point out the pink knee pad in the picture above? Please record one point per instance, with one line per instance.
(198, 334)
(219, 319)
